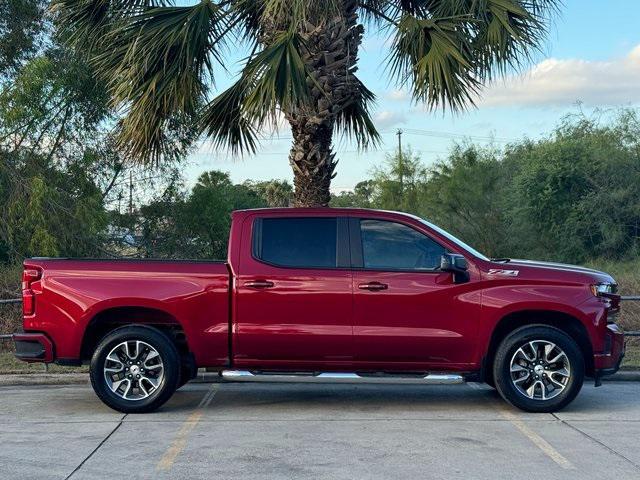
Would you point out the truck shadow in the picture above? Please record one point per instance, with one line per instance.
(341, 400)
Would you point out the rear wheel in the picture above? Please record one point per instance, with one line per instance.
(538, 369)
(135, 369)
(187, 373)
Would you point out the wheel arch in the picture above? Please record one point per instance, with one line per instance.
(109, 319)
(563, 321)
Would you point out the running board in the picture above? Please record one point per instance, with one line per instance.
(430, 379)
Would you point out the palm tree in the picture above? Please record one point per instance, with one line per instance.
(160, 62)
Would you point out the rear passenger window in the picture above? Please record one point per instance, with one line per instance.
(296, 242)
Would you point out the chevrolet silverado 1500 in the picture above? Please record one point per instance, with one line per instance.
(325, 295)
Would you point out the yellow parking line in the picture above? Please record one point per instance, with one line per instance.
(536, 439)
(169, 457)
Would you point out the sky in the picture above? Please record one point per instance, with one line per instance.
(591, 61)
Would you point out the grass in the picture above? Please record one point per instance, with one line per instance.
(632, 358)
(627, 274)
(10, 364)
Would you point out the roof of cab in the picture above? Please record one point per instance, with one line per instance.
(320, 210)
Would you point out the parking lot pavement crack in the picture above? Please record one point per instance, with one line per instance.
(104, 440)
(604, 445)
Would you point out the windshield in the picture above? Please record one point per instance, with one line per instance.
(455, 240)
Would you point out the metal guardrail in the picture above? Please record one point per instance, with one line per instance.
(631, 298)
(10, 301)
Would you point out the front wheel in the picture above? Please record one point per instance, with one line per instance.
(539, 369)
(135, 369)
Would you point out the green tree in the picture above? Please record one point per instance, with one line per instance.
(276, 193)
(576, 194)
(163, 224)
(53, 101)
(159, 61)
(465, 194)
(21, 31)
(361, 196)
(397, 185)
(48, 209)
(207, 212)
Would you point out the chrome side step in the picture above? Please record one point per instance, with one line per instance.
(330, 377)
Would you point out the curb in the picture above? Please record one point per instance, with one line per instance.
(623, 376)
(44, 379)
(205, 377)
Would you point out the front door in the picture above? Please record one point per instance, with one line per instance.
(293, 294)
(407, 313)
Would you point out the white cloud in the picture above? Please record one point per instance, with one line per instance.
(388, 118)
(398, 95)
(556, 82)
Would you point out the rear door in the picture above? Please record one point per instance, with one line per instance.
(407, 313)
(293, 300)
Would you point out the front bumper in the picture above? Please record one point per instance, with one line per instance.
(608, 362)
(33, 347)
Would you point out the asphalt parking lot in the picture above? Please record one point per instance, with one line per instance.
(305, 431)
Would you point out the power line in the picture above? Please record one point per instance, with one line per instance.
(452, 135)
(388, 150)
(426, 133)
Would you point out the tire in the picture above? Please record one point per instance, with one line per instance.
(118, 374)
(186, 375)
(184, 378)
(539, 369)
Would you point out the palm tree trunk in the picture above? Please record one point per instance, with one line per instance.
(330, 57)
(312, 161)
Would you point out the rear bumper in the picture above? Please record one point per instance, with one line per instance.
(33, 347)
(608, 363)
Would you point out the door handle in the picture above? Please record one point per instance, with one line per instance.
(259, 284)
(373, 286)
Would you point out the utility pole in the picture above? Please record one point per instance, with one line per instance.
(130, 193)
(400, 161)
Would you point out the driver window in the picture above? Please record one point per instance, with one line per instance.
(393, 246)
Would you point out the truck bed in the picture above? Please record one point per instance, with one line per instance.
(73, 295)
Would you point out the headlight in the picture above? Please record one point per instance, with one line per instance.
(600, 289)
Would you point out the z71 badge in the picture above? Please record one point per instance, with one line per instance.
(506, 273)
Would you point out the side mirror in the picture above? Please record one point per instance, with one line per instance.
(456, 264)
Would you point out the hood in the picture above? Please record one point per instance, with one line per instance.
(556, 269)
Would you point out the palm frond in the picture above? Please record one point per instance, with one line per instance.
(225, 121)
(153, 137)
(278, 76)
(435, 60)
(157, 67)
(542, 8)
(273, 79)
(247, 14)
(289, 13)
(84, 23)
(354, 119)
(389, 12)
(508, 34)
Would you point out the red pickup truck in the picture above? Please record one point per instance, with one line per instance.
(325, 295)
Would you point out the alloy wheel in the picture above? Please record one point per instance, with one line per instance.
(133, 370)
(540, 370)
